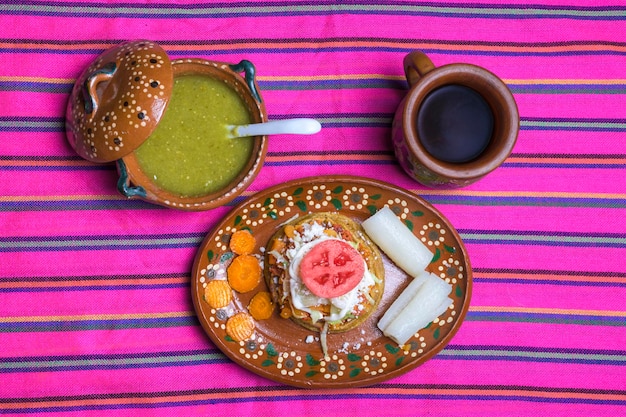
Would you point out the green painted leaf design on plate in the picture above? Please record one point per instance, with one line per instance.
(271, 351)
(298, 191)
(392, 349)
(311, 361)
(301, 205)
(336, 203)
(436, 256)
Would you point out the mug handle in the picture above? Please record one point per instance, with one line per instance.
(416, 65)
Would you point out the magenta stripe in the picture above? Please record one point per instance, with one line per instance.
(96, 314)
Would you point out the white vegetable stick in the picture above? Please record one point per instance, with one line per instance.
(445, 304)
(402, 300)
(402, 338)
(428, 304)
(430, 295)
(397, 241)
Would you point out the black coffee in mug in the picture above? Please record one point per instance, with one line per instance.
(454, 123)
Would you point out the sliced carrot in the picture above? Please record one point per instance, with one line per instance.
(242, 242)
(244, 273)
(240, 327)
(261, 306)
(218, 293)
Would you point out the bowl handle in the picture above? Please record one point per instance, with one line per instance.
(123, 183)
(249, 71)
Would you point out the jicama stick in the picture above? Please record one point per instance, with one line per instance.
(403, 299)
(397, 241)
(402, 337)
(429, 303)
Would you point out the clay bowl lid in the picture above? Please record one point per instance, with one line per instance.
(117, 102)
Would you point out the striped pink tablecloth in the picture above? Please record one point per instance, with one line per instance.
(96, 314)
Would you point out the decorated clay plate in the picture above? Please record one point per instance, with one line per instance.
(285, 352)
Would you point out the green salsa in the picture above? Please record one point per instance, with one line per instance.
(190, 153)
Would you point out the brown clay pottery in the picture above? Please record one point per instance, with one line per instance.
(118, 102)
(283, 351)
(454, 126)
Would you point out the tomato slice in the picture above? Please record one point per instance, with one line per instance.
(332, 268)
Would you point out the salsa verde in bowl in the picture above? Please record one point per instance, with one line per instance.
(164, 123)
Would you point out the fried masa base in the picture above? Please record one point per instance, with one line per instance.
(275, 275)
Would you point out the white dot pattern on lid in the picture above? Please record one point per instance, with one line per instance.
(131, 98)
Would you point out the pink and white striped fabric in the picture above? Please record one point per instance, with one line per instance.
(96, 316)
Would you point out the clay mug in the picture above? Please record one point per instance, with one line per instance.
(414, 134)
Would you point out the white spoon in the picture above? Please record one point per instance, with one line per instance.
(276, 127)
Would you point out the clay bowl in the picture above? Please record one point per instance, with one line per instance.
(119, 100)
(133, 180)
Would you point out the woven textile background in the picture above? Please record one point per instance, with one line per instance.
(96, 314)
